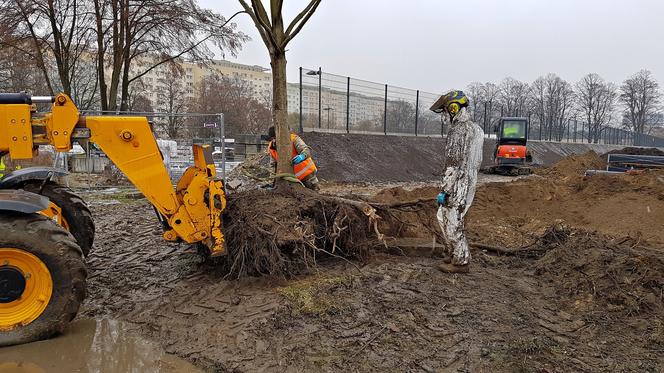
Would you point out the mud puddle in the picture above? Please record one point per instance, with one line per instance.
(89, 345)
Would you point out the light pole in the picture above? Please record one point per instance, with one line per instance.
(328, 115)
(320, 89)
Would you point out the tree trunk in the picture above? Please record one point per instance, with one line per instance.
(103, 97)
(280, 114)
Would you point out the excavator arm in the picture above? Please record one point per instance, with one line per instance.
(191, 212)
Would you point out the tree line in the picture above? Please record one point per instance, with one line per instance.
(552, 103)
(100, 51)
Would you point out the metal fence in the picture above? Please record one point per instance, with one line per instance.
(175, 134)
(565, 130)
(333, 103)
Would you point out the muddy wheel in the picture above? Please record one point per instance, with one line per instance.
(42, 278)
(76, 215)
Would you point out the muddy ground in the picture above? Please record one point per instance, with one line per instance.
(583, 293)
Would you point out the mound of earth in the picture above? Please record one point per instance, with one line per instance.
(401, 195)
(596, 273)
(511, 214)
(574, 165)
(372, 158)
(635, 151)
(250, 174)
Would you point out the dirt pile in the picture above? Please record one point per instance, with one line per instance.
(401, 195)
(596, 273)
(250, 174)
(574, 165)
(376, 158)
(287, 230)
(512, 214)
(407, 213)
(635, 151)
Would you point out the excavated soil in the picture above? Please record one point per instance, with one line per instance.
(636, 151)
(567, 275)
(574, 165)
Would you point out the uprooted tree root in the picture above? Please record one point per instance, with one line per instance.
(288, 230)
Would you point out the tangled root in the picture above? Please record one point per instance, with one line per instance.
(289, 230)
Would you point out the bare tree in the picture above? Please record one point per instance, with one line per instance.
(474, 92)
(400, 115)
(276, 38)
(153, 32)
(640, 97)
(53, 33)
(513, 97)
(596, 100)
(18, 72)
(553, 104)
(244, 111)
(171, 98)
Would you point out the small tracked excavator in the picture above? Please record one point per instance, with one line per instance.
(46, 230)
(511, 155)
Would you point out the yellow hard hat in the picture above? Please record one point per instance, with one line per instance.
(450, 102)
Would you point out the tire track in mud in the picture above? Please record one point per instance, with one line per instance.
(169, 293)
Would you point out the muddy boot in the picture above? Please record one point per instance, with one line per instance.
(311, 183)
(451, 268)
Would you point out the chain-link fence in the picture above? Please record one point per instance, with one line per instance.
(569, 129)
(327, 102)
(334, 103)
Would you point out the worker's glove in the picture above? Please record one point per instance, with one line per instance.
(299, 158)
(440, 198)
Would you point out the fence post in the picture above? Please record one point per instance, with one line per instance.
(484, 125)
(417, 108)
(528, 127)
(223, 145)
(385, 112)
(348, 105)
(320, 96)
(301, 125)
(575, 128)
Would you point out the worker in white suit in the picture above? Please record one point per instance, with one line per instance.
(463, 158)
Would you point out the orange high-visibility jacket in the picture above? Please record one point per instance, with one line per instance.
(302, 169)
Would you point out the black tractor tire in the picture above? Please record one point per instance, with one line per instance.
(58, 250)
(74, 210)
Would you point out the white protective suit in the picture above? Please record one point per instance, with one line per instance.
(463, 158)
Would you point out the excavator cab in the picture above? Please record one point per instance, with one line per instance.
(511, 156)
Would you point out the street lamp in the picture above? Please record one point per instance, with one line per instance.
(320, 88)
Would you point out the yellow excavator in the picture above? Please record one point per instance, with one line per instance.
(46, 230)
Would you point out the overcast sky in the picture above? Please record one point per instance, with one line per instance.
(436, 45)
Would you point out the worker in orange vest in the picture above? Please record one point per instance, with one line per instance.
(304, 167)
